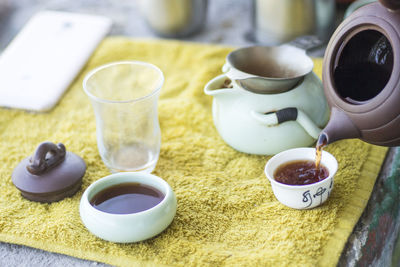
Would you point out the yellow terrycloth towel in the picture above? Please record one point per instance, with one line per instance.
(227, 213)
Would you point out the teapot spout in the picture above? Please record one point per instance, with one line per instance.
(339, 127)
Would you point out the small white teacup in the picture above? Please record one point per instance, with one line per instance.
(301, 196)
(131, 227)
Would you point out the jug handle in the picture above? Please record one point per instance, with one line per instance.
(288, 114)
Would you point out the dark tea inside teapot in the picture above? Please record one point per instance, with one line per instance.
(364, 67)
(361, 76)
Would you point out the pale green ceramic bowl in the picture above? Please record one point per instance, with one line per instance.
(134, 227)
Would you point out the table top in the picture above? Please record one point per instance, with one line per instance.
(227, 22)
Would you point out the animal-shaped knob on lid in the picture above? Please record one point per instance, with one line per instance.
(361, 76)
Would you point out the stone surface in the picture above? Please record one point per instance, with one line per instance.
(373, 241)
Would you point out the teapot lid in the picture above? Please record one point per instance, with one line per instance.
(50, 174)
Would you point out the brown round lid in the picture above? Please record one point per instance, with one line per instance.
(50, 174)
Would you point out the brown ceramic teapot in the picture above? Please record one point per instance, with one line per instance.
(361, 76)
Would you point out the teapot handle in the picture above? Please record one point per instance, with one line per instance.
(288, 114)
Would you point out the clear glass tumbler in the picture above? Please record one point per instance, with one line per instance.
(124, 96)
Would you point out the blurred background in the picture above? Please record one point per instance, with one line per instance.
(233, 22)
